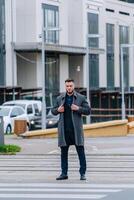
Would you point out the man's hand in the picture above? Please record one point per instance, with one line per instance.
(74, 107)
(61, 109)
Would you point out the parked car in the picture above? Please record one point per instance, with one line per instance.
(10, 114)
(32, 108)
(51, 121)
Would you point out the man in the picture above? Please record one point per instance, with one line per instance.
(71, 106)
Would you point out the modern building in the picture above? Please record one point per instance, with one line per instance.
(128, 1)
(2, 42)
(103, 24)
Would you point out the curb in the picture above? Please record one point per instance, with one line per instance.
(101, 129)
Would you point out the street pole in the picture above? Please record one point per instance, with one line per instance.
(12, 50)
(122, 85)
(44, 29)
(43, 77)
(87, 77)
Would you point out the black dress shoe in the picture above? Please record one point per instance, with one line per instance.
(62, 177)
(82, 177)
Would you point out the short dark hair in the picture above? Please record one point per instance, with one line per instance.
(69, 80)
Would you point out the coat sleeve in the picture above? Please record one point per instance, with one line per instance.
(84, 109)
(54, 110)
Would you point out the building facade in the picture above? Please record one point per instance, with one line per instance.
(2, 42)
(102, 24)
(128, 1)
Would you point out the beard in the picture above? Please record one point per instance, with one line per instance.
(70, 92)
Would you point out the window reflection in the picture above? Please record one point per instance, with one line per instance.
(2, 42)
(52, 77)
(124, 39)
(51, 19)
(93, 29)
(94, 70)
(110, 55)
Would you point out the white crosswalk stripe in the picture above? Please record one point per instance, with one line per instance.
(27, 177)
(46, 167)
(55, 191)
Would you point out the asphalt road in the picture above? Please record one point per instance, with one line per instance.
(31, 174)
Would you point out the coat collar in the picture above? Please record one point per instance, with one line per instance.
(64, 95)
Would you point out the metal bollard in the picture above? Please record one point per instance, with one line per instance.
(1, 131)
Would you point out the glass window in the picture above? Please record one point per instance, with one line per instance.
(21, 105)
(52, 77)
(36, 108)
(124, 39)
(51, 20)
(128, 1)
(94, 70)
(20, 111)
(2, 42)
(14, 112)
(110, 55)
(93, 29)
(29, 109)
(4, 111)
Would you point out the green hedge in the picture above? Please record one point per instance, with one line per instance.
(9, 149)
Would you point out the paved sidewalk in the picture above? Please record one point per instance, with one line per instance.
(102, 145)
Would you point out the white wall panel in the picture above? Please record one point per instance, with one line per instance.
(25, 21)
(75, 63)
(64, 71)
(26, 72)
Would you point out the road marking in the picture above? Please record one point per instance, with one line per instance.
(94, 148)
(54, 151)
(68, 185)
(54, 196)
(56, 190)
(59, 190)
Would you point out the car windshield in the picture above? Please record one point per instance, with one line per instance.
(21, 105)
(15, 104)
(4, 111)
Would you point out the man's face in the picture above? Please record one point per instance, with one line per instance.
(69, 87)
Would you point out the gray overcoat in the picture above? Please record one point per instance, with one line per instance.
(84, 109)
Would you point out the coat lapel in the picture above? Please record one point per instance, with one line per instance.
(63, 98)
(75, 98)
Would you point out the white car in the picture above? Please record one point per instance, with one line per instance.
(31, 107)
(10, 114)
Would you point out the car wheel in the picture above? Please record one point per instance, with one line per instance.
(8, 130)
